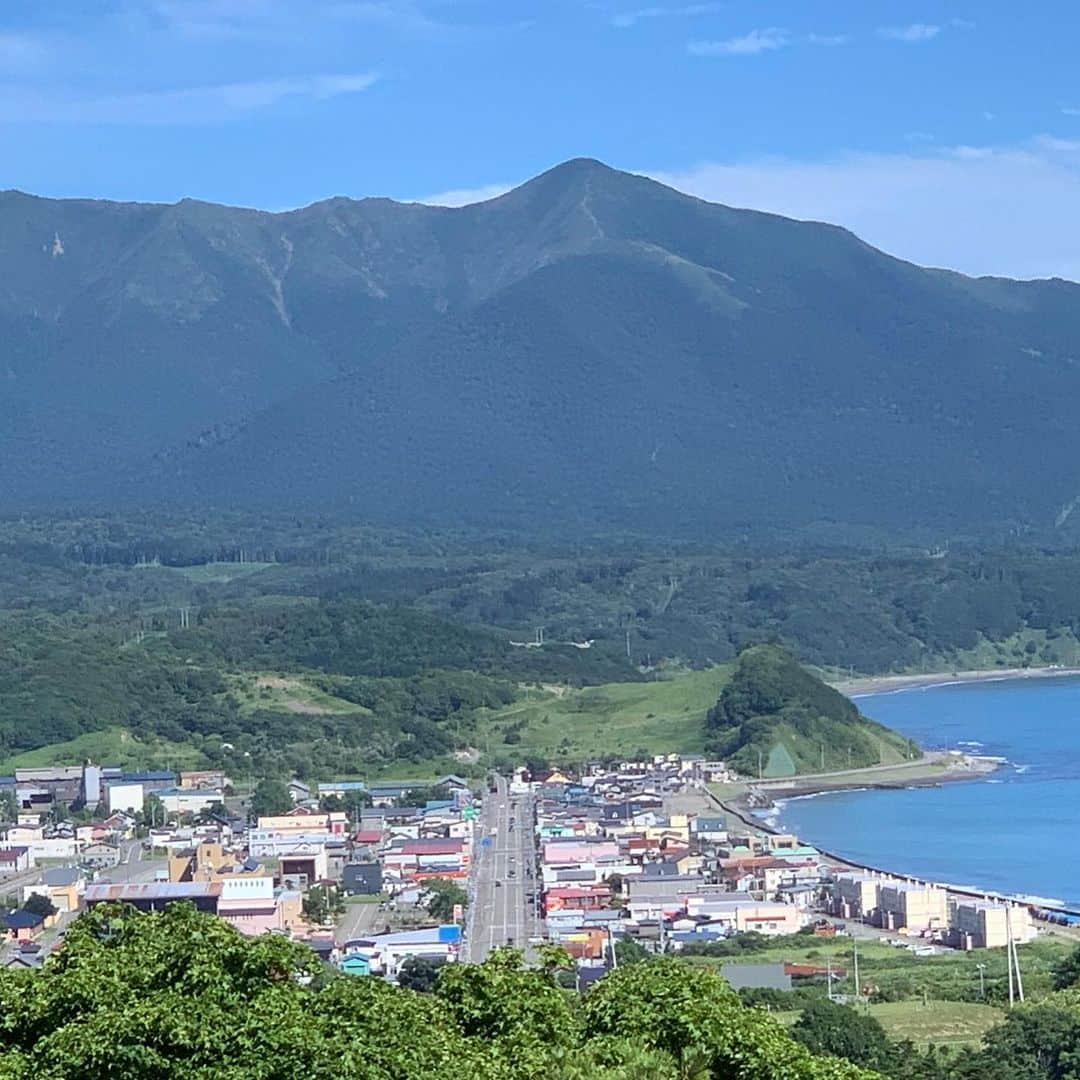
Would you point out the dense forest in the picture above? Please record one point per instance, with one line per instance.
(183, 994)
(305, 644)
(774, 718)
(150, 997)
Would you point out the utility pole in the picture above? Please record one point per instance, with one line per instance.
(981, 968)
(1008, 954)
(1013, 958)
(828, 976)
(855, 949)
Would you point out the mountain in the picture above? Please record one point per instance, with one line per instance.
(590, 350)
(774, 718)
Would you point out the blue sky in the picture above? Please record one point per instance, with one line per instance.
(948, 133)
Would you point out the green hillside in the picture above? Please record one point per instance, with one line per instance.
(774, 718)
(591, 350)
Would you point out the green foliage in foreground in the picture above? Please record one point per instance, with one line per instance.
(775, 716)
(183, 995)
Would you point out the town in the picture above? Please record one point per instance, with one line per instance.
(387, 878)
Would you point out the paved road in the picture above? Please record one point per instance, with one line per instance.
(500, 911)
(358, 921)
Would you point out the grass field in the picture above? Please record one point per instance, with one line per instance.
(901, 975)
(286, 693)
(112, 746)
(219, 573)
(619, 718)
(943, 1023)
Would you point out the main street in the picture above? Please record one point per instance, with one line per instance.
(503, 886)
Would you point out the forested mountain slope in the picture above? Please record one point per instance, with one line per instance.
(591, 348)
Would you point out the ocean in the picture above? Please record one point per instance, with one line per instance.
(1016, 832)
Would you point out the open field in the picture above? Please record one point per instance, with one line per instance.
(942, 1023)
(219, 573)
(615, 718)
(112, 746)
(899, 975)
(286, 693)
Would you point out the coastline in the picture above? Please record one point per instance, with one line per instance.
(744, 807)
(884, 684)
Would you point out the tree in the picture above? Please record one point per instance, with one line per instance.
(629, 951)
(420, 973)
(668, 1006)
(1067, 972)
(440, 897)
(1033, 1042)
(827, 1028)
(269, 798)
(40, 904)
(9, 806)
(154, 812)
(213, 812)
(322, 903)
(181, 995)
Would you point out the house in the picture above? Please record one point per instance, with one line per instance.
(100, 854)
(23, 961)
(362, 879)
(302, 869)
(711, 829)
(913, 905)
(23, 925)
(129, 797)
(299, 791)
(367, 839)
(13, 860)
(386, 952)
(157, 896)
(301, 819)
(986, 924)
(756, 976)
(213, 779)
(355, 964)
(341, 788)
(251, 904)
(179, 800)
(63, 885)
(452, 782)
(387, 792)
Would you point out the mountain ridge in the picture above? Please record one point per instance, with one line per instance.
(591, 347)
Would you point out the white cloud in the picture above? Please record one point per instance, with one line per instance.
(626, 19)
(255, 18)
(828, 39)
(466, 196)
(187, 105)
(911, 33)
(1008, 210)
(751, 44)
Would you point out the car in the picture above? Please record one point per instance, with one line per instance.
(498, 884)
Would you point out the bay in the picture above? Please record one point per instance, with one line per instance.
(1015, 832)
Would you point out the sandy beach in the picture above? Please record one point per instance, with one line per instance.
(883, 684)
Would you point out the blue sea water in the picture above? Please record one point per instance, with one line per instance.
(1017, 832)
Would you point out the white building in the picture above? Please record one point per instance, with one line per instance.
(126, 797)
